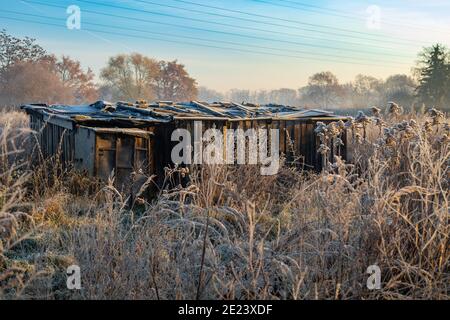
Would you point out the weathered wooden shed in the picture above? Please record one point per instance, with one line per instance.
(126, 137)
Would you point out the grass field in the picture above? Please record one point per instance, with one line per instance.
(233, 234)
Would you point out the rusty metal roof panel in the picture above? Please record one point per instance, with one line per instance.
(141, 112)
(131, 132)
(100, 113)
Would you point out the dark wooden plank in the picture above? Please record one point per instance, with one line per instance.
(290, 141)
(310, 143)
(297, 141)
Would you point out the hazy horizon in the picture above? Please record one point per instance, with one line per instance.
(253, 44)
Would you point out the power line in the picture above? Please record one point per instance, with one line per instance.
(344, 14)
(216, 31)
(196, 44)
(252, 28)
(268, 23)
(203, 39)
(309, 5)
(313, 8)
(230, 33)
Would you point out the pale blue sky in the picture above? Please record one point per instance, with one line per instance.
(251, 44)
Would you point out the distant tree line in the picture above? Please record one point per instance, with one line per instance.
(429, 85)
(325, 91)
(28, 73)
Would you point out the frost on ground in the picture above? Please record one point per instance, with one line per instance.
(233, 234)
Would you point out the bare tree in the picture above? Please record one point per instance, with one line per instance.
(209, 95)
(323, 89)
(239, 95)
(365, 91)
(14, 50)
(399, 88)
(283, 96)
(131, 77)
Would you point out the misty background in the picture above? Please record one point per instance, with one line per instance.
(30, 74)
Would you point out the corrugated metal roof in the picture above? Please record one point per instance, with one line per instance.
(98, 111)
(165, 111)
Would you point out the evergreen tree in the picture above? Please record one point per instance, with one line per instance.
(434, 76)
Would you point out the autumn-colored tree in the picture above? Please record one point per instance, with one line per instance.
(131, 77)
(33, 82)
(48, 80)
(174, 83)
(29, 74)
(135, 77)
(76, 79)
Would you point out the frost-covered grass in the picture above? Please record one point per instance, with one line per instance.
(232, 233)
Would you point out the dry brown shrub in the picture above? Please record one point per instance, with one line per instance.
(232, 234)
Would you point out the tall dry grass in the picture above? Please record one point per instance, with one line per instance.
(232, 234)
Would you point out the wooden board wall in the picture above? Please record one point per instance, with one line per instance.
(124, 154)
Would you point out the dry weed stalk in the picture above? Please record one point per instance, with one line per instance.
(232, 234)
